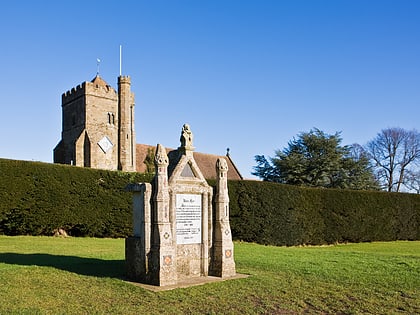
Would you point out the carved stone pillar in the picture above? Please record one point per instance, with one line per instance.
(223, 264)
(163, 262)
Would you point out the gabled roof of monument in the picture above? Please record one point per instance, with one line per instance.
(206, 162)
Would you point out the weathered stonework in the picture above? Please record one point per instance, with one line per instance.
(98, 131)
(163, 251)
(98, 126)
(138, 246)
(223, 264)
(127, 135)
(186, 236)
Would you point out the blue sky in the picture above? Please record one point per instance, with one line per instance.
(248, 75)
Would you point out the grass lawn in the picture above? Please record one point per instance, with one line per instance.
(44, 275)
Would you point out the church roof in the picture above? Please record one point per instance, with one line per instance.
(98, 81)
(206, 162)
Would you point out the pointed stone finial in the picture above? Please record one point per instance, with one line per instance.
(221, 165)
(161, 158)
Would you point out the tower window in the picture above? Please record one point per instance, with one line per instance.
(111, 118)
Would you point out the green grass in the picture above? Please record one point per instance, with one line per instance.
(42, 275)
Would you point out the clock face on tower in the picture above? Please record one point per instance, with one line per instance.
(105, 144)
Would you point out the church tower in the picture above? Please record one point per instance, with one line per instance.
(98, 126)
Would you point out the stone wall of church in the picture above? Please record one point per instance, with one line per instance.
(102, 126)
(73, 124)
(98, 126)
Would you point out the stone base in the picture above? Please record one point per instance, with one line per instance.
(223, 264)
(148, 266)
(186, 283)
(136, 260)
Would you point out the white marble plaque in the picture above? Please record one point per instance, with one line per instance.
(105, 144)
(188, 219)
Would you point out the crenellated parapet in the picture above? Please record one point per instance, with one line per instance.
(105, 90)
(97, 89)
(73, 94)
(124, 79)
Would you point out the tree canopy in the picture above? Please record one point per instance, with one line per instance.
(317, 159)
(395, 153)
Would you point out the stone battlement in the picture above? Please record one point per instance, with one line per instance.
(105, 91)
(74, 92)
(124, 79)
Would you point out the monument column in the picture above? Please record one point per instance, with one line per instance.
(163, 246)
(223, 262)
(205, 236)
(137, 247)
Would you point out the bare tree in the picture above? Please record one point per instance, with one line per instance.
(394, 152)
(413, 181)
(358, 152)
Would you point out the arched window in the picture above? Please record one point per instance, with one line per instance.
(111, 118)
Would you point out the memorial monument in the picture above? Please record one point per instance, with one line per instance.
(180, 230)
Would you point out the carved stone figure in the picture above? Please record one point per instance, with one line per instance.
(186, 136)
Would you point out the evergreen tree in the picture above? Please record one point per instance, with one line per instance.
(317, 159)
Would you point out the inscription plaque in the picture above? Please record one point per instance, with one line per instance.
(188, 219)
(105, 144)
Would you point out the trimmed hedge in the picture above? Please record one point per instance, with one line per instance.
(37, 198)
(270, 213)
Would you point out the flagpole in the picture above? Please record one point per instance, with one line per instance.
(98, 61)
(120, 60)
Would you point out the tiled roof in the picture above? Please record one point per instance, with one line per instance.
(206, 162)
(98, 81)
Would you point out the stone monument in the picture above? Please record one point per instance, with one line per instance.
(180, 230)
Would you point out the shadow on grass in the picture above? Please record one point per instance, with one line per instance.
(79, 265)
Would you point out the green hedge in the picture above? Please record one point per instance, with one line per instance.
(37, 198)
(270, 213)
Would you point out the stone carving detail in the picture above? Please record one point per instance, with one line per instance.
(221, 165)
(223, 262)
(186, 137)
(161, 158)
